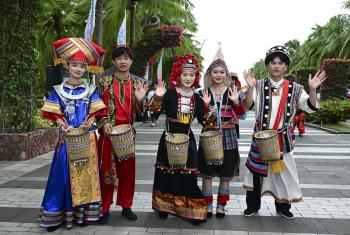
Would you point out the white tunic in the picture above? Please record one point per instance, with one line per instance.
(284, 186)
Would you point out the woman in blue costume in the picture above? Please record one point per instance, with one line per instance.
(73, 190)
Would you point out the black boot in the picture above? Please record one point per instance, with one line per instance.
(127, 212)
(163, 215)
(195, 222)
(104, 219)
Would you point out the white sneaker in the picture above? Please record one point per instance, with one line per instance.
(153, 124)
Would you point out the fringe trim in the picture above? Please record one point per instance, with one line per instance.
(277, 166)
(269, 192)
(175, 170)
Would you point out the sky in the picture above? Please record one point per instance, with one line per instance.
(247, 29)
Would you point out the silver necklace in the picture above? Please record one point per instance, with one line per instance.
(73, 97)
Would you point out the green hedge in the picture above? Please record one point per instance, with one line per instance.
(337, 72)
(331, 111)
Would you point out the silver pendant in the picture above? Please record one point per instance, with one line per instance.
(70, 109)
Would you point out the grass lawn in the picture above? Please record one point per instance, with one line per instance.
(336, 127)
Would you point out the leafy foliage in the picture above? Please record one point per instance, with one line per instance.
(18, 65)
(153, 42)
(331, 111)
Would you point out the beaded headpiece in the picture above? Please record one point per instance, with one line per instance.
(184, 61)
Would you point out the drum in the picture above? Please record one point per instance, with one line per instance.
(211, 142)
(177, 149)
(122, 139)
(268, 145)
(78, 145)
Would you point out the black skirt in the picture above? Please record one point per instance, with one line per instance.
(226, 171)
(175, 190)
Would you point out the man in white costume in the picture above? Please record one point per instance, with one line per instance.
(275, 101)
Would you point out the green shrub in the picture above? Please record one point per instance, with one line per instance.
(40, 122)
(331, 111)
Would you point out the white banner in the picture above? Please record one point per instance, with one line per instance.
(160, 69)
(90, 25)
(122, 33)
(146, 72)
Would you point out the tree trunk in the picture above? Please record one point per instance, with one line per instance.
(98, 22)
(132, 22)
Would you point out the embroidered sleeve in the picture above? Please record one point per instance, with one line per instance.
(240, 111)
(51, 116)
(96, 104)
(102, 116)
(52, 104)
(156, 104)
(305, 104)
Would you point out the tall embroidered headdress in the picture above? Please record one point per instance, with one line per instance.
(79, 50)
(218, 61)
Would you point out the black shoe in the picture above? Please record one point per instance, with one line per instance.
(104, 219)
(51, 229)
(220, 215)
(127, 212)
(249, 212)
(163, 215)
(286, 214)
(196, 222)
(209, 214)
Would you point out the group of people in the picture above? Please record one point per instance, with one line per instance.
(82, 192)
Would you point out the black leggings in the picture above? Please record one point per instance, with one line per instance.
(253, 198)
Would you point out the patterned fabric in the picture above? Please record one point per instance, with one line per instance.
(229, 138)
(120, 97)
(194, 209)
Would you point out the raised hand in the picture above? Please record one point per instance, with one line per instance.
(317, 80)
(206, 96)
(160, 91)
(249, 78)
(141, 91)
(233, 94)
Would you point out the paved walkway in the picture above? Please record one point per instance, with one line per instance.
(324, 173)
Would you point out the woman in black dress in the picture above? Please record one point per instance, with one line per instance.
(175, 188)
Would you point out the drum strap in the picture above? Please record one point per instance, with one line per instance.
(281, 105)
(167, 127)
(280, 112)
